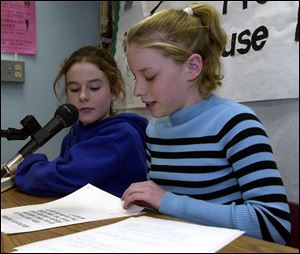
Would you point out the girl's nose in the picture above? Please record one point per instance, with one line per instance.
(139, 89)
(83, 95)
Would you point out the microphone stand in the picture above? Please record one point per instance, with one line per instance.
(14, 134)
(30, 127)
(10, 164)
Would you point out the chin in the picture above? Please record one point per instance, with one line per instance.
(158, 114)
(86, 122)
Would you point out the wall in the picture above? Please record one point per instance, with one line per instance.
(62, 26)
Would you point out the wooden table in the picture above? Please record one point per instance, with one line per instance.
(13, 197)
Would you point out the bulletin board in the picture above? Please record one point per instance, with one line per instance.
(261, 59)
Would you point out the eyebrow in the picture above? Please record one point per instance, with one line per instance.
(89, 81)
(145, 69)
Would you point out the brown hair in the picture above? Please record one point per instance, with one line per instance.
(103, 60)
(179, 34)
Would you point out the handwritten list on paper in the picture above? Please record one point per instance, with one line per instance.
(86, 204)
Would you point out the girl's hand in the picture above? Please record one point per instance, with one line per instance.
(147, 194)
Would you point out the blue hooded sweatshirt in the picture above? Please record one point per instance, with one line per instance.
(109, 154)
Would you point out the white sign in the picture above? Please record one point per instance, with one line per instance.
(261, 59)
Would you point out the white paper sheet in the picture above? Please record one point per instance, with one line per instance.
(139, 235)
(86, 204)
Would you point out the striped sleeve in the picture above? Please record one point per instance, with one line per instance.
(251, 156)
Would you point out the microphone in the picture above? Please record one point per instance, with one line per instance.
(65, 116)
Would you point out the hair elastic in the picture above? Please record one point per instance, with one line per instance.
(189, 11)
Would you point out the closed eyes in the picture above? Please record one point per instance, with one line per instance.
(149, 78)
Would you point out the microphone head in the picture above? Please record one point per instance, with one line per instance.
(68, 113)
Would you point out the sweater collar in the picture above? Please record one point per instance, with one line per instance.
(186, 114)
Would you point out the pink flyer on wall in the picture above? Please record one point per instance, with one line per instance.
(18, 27)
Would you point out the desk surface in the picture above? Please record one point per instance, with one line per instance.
(13, 198)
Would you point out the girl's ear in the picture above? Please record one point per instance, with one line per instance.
(194, 66)
(115, 94)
